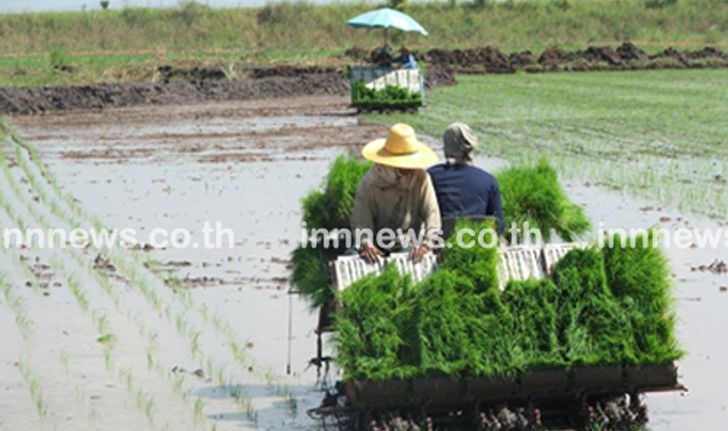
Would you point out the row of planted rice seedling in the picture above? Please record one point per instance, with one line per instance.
(99, 317)
(608, 306)
(130, 266)
(129, 263)
(106, 337)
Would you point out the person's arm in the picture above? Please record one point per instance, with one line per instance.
(363, 219)
(495, 206)
(431, 220)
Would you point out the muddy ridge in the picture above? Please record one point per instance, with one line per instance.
(197, 85)
(595, 58)
(45, 99)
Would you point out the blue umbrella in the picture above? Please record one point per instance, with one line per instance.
(387, 18)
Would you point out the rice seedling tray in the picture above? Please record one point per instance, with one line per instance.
(543, 385)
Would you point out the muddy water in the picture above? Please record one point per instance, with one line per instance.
(242, 166)
(247, 166)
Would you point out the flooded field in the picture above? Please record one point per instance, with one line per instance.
(197, 338)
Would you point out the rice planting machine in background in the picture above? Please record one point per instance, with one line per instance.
(386, 88)
(587, 397)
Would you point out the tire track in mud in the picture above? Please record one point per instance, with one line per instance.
(130, 271)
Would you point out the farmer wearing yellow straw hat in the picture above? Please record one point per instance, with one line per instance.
(397, 195)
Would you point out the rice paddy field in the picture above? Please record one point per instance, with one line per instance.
(165, 338)
(658, 135)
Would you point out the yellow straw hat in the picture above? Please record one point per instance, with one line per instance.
(401, 149)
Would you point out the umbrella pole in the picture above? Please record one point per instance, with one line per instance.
(385, 35)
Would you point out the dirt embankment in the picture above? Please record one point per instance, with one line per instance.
(626, 57)
(44, 99)
(185, 86)
(196, 85)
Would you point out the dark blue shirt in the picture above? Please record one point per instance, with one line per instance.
(464, 190)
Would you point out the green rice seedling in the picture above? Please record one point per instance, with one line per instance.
(145, 403)
(534, 330)
(149, 408)
(251, 413)
(239, 352)
(239, 393)
(448, 341)
(101, 320)
(371, 332)
(77, 292)
(107, 357)
(194, 337)
(477, 264)
(221, 376)
(35, 185)
(63, 357)
(638, 274)
(199, 409)
(126, 375)
(310, 275)
(533, 194)
(150, 356)
(180, 323)
(595, 328)
(178, 382)
(36, 392)
(329, 209)
(24, 323)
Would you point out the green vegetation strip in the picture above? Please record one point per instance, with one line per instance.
(129, 43)
(288, 26)
(659, 135)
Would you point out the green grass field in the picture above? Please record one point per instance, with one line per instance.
(129, 43)
(660, 135)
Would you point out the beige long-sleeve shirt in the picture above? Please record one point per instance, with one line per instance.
(399, 209)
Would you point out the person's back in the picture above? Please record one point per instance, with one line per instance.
(462, 189)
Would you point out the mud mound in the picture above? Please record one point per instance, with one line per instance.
(522, 59)
(707, 52)
(39, 100)
(672, 53)
(602, 53)
(437, 75)
(490, 59)
(629, 51)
